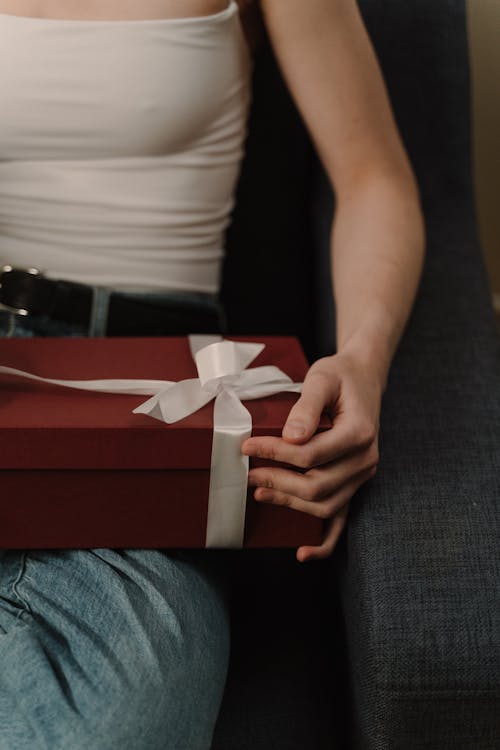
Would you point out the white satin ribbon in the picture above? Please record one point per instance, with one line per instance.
(223, 376)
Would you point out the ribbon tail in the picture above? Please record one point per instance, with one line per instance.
(109, 385)
(229, 472)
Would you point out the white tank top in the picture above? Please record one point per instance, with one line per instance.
(120, 146)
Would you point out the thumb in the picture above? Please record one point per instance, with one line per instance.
(318, 391)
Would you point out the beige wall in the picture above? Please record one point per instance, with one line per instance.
(484, 35)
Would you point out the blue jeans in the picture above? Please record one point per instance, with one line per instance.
(103, 649)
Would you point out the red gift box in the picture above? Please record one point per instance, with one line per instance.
(80, 470)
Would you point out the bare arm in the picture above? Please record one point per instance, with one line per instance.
(377, 258)
(378, 236)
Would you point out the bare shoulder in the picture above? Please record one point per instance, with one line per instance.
(332, 71)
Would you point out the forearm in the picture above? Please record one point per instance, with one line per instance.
(377, 260)
(332, 71)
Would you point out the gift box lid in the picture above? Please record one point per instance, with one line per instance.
(46, 427)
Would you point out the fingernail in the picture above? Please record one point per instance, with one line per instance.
(294, 429)
(261, 494)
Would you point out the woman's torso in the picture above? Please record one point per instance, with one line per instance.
(133, 9)
(121, 138)
(115, 9)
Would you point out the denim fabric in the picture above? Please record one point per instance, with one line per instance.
(109, 648)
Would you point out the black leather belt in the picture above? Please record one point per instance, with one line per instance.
(27, 292)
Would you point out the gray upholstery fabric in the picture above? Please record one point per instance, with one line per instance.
(419, 566)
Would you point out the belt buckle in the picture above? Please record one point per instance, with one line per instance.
(9, 269)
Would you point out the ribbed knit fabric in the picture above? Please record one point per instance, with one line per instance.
(120, 145)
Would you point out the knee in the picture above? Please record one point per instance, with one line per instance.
(169, 701)
(145, 671)
(175, 688)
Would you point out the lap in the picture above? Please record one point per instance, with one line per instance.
(103, 648)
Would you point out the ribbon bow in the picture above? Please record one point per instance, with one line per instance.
(223, 376)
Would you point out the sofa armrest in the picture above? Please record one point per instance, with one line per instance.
(419, 567)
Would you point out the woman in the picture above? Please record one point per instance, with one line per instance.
(120, 143)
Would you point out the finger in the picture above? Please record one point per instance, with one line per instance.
(346, 436)
(319, 389)
(332, 536)
(323, 509)
(317, 483)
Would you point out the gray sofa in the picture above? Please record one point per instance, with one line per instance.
(394, 643)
